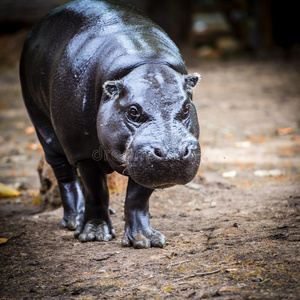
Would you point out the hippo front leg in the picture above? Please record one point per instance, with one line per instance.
(96, 224)
(138, 232)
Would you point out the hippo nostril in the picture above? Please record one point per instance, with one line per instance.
(158, 152)
(187, 152)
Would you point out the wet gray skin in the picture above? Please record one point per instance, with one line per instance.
(107, 90)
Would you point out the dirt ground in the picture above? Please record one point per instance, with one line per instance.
(233, 233)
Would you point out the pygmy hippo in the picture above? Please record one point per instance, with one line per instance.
(107, 90)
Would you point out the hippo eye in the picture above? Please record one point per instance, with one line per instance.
(185, 112)
(133, 113)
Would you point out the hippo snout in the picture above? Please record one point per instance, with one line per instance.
(164, 165)
(182, 152)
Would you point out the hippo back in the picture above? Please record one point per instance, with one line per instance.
(68, 56)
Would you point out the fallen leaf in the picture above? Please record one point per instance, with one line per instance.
(171, 256)
(257, 139)
(6, 192)
(3, 241)
(33, 146)
(29, 130)
(169, 288)
(200, 171)
(283, 131)
(290, 151)
(229, 136)
(36, 201)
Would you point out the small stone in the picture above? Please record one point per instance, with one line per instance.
(265, 173)
(231, 270)
(193, 186)
(275, 172)
(244, 144)
(229, 174)
(24, 186)
(18, 200)
(112, 211)
(213, 204)
(186, 240)
(261, 173)
(257, 278)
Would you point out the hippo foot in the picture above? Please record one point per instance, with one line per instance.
(143, 239)
(72, 222)
(95, 230)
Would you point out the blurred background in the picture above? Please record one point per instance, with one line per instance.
(247, 52)
(213, 28)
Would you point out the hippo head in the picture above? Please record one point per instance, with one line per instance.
(147, 125)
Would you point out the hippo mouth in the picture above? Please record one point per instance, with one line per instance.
(162, 173)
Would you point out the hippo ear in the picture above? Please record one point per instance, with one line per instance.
(191, 81)
(113, 88)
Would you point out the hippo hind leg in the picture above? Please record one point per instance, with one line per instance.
(97, 223)
(69, 186)
(71, 194)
